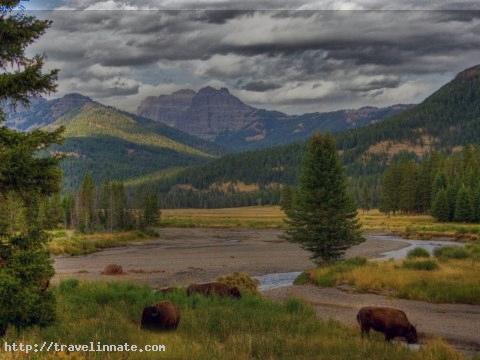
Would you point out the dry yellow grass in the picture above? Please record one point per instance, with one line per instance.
(420, 226)
(249, 217)
(455, 281)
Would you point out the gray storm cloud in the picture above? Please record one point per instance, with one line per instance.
(290, 60)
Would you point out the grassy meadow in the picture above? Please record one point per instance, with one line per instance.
(255, 217)
(410, 225)
(452, 276)
(74, 243)
(210, 328)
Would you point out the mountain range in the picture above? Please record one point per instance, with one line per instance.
(218, 116)
(114, 144)
(445, 121)
(152, 147)
(109, 143)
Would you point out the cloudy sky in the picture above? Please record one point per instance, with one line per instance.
(293, 56)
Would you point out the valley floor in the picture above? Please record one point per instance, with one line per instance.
(184, 255)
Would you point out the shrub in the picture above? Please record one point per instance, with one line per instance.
(113, 269)
(418, 252)
(451, 252)
(242, 281)
(427, 265)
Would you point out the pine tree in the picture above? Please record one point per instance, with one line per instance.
(476, 204)
(390, 195)
(286, 198)
(323, 218)
(463, 205)
(26, 266)
(452, 191)
(408, 187)
(85, 205)
(439, 183)
(440, 209)
(151, 211)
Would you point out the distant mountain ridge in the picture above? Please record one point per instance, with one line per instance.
(445, 121)
(218, 116)
(41, 111)
(110, 143)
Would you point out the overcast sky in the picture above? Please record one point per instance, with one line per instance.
(293, 56)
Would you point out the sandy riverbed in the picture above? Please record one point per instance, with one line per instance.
(183, 256)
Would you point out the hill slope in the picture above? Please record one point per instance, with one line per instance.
(109, 143)
(445, 121)
(219, 116)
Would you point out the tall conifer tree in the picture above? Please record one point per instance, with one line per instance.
(25, 265)
(323, 218)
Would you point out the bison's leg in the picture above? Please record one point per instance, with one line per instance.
(389, 336)
(365, 330)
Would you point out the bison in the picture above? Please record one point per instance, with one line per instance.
(391, 322)
(162, 316)
(214, 288)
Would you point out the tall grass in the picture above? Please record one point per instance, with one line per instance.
(449, 280)
(73, 243)
(210, 328)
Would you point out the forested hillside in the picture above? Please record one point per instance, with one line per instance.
(114, 145)
(446, 121)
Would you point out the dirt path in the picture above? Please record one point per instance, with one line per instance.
(457, 323)
(183, 256)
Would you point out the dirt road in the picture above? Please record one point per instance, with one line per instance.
(457, 323)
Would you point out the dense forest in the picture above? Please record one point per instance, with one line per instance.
(447, 186)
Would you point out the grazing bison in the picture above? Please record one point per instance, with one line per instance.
(214, 288)
(162, 316)
(391, 322)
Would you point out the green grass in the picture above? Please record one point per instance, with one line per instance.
(427, 265)
(74, 243)
(448, 280)
(452, 252)
(210, 328)
(418, 253)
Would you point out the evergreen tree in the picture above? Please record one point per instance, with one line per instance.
(452, 191)
(151, 212)
(286, 198)
(408, 186)
(439, 183)
(390, 186)
(26, 267)
(85, 205)
(440, 209)
(463, 205)
(323, 218)
(476, 204)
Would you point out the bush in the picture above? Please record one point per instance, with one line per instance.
(418, 253)
(242, 281)
(451, 252)
(113, 269)
(427, 265)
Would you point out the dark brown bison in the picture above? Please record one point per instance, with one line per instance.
(162, 316)
(214, 288)
(391, 322)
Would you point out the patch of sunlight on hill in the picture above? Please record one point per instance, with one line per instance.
(154, 176)
(94, 120)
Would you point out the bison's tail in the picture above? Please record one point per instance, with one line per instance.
(358, 318)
